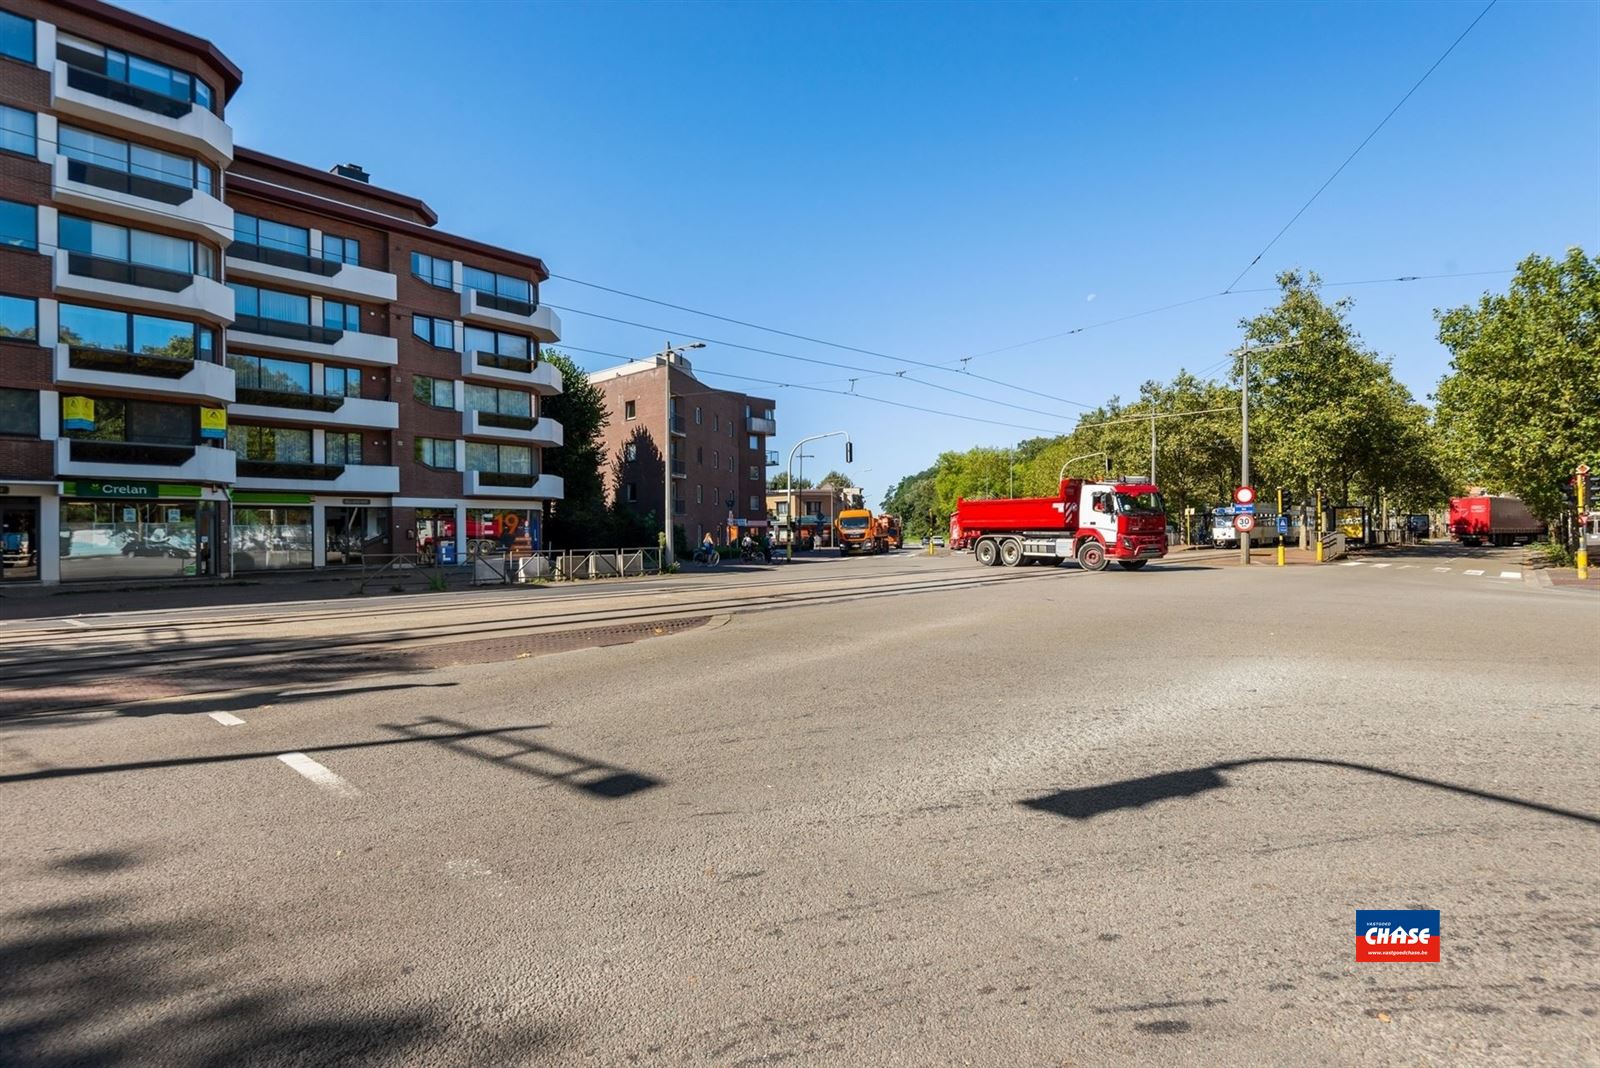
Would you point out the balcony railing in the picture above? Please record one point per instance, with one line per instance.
(283, 257)
(130, 452)
(522, 364)
(280, 398)
(286, 469)
(256, 324)
(772, 458)
(128, 363)
(678, 425)
(123, 182)
(506, 304)
(89, 81)
(506, 478)
(106, 269)
(680, 469)
(507, 422)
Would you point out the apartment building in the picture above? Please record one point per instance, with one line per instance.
(215, 361)
(716, 446)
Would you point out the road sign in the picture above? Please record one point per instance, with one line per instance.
(1244, 521)
(1244, 495)
(1283, 524)
(1583, 469)
(1244, 507)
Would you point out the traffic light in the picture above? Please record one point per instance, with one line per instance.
(849, 451)
(1108, 463)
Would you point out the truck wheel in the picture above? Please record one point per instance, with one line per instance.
(986, 552)
(1011, 552)
(1131, 565)
(1092, 556)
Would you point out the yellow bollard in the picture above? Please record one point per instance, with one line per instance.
(1316, 527)
(1280, 527)
(1583, 532)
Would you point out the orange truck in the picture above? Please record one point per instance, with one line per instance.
(857, 530)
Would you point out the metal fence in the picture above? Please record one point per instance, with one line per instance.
(497, 567)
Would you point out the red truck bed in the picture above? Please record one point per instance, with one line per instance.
(1016, 513)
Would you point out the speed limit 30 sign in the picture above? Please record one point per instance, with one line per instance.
(1244, 521)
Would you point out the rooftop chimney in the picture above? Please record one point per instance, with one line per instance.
(351, 170)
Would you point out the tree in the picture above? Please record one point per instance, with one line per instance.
(836, 479)
(912, 499)
(780, 481)
(580, 517)
(1520, 406)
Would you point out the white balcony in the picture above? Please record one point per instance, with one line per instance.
(545, 433)
(115, 459)
(755, 424)
(191, 380)
(486, 308)
(82, 94)
(270, 335)
(362, 479)
(544, 488)
(140, 199)
(274, 267)
(543, 379)
(349, 413)
(154, 289)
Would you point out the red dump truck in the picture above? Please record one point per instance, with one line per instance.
(1090, 522)
(1492, 521)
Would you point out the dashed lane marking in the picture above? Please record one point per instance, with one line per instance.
(1441, 569)
(319, 774)
(1511, 574)
(227, 719)
(1405, 566)
(1381, 565)
(1475, 572)
(1351, 563)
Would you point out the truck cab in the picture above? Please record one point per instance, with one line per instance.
(853, 530)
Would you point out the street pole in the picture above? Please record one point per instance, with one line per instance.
(1280, 526)
(1583, 528)
(667, 549)
(815, 437)
(1152, 444)
(1244, 450)
(1316, 525)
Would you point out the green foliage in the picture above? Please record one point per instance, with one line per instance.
(1520, 407)
(580, 518)
(912, 499)
(836, 479)
(780, 481)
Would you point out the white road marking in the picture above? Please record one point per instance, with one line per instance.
(78, 623)
(1441, 569)
(1380, 565)
(1474, 572)
(1511, 574)
(227, 719)
(318, 774)
(1351, 563)
(1404, 566)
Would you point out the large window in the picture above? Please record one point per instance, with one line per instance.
(440, 333)
(270, 444)
(436, 452)
(271, 304)
(119, 419)
(341, 381)
(141, 247)
(502, 459)
(138, 160)
(499, 285)
(432, 270)
(266, 372)
(119, 66)
(342, 447)
(19, 224)
(340, 316)
(341, 249)
(102, 328)
(265, 233)
(270, 538)
(19, 318)
(16, 37)
(434, 392)
(501, 401)
(19, 412)
(497, 342)
(18, 130)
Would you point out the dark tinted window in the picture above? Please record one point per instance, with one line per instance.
(19, 412)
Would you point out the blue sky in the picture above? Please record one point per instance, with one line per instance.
(932, 181)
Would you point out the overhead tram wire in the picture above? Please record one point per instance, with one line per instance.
(1365, 141)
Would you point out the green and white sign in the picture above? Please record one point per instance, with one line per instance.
(131, 491)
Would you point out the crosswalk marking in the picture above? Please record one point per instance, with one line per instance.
(1441, 569)
(1380, 565)
(1351, 563)
(318, 774)
(1479, 572)
(1404, 566)
(1511, 574)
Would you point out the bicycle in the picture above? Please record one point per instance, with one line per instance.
(707, 556)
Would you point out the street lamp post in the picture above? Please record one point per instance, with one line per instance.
(815, 437)
(666, 354)
(1243, 352)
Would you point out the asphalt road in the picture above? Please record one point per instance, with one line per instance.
(896, 812)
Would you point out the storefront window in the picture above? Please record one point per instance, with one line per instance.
(121, 539)
(355, 534)
(267, 539)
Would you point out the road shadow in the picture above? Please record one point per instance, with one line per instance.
(105, 977)
(1087, 802)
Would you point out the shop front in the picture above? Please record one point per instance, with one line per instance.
(356, 531)
(136, 530)
(21, 533)
(272, 531)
